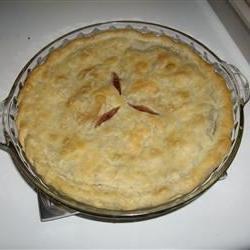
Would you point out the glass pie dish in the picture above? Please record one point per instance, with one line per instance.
(236, 83)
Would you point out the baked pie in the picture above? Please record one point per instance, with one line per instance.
(124, 120)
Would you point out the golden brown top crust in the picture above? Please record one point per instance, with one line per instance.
(124, 120)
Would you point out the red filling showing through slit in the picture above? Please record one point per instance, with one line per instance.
(108, 115)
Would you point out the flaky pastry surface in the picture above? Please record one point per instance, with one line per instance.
(123, 120)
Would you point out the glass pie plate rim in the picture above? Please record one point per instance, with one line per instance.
(235, 80)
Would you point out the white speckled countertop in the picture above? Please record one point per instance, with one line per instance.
(218, 219)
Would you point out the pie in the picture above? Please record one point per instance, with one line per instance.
(124, 120)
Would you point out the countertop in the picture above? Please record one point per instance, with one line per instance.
(233, 22)
(218, 219)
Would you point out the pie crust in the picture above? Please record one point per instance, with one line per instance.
(124, 120)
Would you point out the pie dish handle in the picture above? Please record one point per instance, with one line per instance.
(242, 84)
(3, 142)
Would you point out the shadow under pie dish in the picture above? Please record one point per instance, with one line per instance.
(127, 121)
